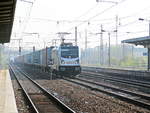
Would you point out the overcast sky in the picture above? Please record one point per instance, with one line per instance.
(47, 17)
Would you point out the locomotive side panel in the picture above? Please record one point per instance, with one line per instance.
(43, 57)
(28, 58)
(62, 60)
(49, 56)
(46, 57)
(37, 58)
(55, 60)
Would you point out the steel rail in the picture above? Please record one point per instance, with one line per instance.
(117, 79)
(106, 89)
(24, 92)
(61, 105)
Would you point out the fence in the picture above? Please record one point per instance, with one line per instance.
(120, 56)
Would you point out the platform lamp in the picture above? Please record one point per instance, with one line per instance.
(141, 19)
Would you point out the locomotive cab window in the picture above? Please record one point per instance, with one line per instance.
(69, 52)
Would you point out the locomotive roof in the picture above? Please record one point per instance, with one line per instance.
(66, 44)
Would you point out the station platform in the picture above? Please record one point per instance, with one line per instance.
(7, 97)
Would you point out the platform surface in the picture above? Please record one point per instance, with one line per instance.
(7, 98)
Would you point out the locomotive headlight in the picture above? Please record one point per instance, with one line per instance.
(77, 62)
(62, 62)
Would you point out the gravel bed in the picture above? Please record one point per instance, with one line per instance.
(21, 103)
(83, 100)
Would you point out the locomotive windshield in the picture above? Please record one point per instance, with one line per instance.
(69, 52)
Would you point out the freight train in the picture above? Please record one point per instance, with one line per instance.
(62, 60)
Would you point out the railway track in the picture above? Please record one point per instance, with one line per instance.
(125, 95)
(41, 100)
(94, 75)
(122, 73)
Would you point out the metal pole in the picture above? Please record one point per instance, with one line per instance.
(101, 45)
(85, 39)
(109, 49)
(76, 36)
(33, 48)
(132, 50)
(46, 56)
(116, 30)
(19, 50)
(19, 47)
(123, 51)
(86, 46)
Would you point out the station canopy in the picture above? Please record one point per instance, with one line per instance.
(7, 10)
(144, 41)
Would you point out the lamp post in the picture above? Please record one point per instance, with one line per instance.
(112, 2)
(101, 45)
(141, 19)
(109, 49)
(19, 41)
(76, 34)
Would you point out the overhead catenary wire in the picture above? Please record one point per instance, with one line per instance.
(89, 10)
(77, 21)
(27, 1)
(23, 22)
(120, 18)
(84, 21)
(105, 10)
(27, 18)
